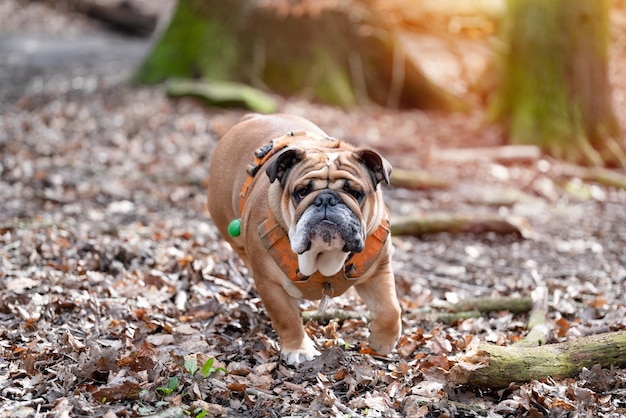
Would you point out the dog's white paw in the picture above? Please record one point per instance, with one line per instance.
(306, 352)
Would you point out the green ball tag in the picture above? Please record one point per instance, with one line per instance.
(234, 228)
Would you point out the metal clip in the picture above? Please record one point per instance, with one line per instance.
(252, 169)
(264, 150)
(327, 293)
(349, 270)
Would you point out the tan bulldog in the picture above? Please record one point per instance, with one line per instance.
(306, 214)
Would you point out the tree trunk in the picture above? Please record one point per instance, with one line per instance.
(553, 84)
(330, 54)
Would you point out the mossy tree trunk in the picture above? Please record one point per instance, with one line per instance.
(330, 54)
(553, 80)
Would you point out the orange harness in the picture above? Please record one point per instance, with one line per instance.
(317, 285)
(276, 241)
(264, 153)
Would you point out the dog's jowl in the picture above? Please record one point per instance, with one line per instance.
(305, 212)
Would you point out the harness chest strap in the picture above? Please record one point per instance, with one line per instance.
(314, 287)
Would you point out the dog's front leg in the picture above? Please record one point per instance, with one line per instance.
(379, 295)
(284, 311)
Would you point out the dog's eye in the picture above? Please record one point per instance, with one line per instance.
(356, 193)
(301, 192)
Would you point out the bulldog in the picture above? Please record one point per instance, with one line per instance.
(306, 215)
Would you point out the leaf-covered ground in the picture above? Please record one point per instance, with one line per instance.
(118, 298)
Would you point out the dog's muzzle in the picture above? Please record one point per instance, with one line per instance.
(328, 220)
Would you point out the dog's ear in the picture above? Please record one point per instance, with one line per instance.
(378, 167)
(280, 166)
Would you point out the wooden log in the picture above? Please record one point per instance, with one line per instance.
(494, 366)
(456, 223)
(502, 154)
(342, 315)
(416, 180)
(451, 317)
(493, 304)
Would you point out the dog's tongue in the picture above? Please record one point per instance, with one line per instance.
(327, 263)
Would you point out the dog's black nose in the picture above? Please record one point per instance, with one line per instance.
(326, 198)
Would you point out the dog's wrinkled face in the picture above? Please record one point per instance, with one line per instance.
(329, 201)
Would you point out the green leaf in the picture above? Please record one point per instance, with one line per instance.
(172, 384)
(191, 366)
(208, 369)
(145, 410)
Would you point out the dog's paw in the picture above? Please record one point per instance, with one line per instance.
(306, 352)
(384, 341)
(382, 346)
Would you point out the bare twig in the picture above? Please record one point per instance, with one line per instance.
(259, 393)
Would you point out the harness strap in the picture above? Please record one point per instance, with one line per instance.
(277, 244)
(261, 155)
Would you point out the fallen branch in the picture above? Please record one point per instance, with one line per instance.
(496, 367)
(503, 154)
(469, 308)
(539, 330)
(451, 317)
(259, 393)
(416, 180)
(598, 175)
(475, 307)
(330, 314)
(492, 304)
(456, 223)
(423, 314)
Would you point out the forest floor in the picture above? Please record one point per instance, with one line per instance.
(115, 286)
